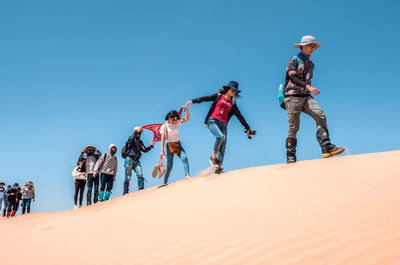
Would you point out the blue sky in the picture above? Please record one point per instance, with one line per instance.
(74, 73)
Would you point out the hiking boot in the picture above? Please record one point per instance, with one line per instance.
(291, 144)
(107, 195)
(219, 170)
(101, 196)
(291, 159)
(333, 151)
(214, 162)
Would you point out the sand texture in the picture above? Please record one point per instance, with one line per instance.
(342, 210)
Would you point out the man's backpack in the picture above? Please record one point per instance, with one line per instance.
(125, 150)
(281, 89)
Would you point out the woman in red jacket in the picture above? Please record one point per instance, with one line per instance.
(223, 108)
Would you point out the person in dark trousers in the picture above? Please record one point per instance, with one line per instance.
(90, 155)
(79, 175)
(18, 199)
(223, 108)
(298, 99)
(5, 201)
(171, 141)
(11, 199)
(107, 167)
(2, 190)
(135, 147)
(28, 194)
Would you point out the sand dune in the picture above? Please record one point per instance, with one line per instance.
(343, 210)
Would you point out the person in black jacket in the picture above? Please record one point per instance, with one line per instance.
(135, 147)
(18, 199)
(223, 108)
(11, 199)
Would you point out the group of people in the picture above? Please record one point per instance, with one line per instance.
(96, 168)
(13, 196)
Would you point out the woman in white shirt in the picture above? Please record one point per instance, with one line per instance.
(80, 177)
(170, 134)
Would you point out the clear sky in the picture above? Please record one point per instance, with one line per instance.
(74, 73)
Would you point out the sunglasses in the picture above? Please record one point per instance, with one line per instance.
(312, 45)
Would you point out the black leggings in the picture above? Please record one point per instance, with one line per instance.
(90, 181)
(79, 188)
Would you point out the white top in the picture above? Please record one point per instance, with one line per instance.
(173, 132)
(78, 175)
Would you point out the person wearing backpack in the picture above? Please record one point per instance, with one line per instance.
(11, 199)
(297, 99)
(106, 166)
(132, 152)
(80, 177)
(90, 155)
(171, 141)
(223, 108)
(28, 194)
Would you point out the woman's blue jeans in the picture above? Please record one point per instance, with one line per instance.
(170, 162)
(220, 130)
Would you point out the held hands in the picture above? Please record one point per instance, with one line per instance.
(189, 103)
(313, 90)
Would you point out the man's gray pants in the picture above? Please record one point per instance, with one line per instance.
(295, 106)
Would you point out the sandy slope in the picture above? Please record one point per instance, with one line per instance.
(343, 210)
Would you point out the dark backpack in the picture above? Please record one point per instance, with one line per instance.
(125, 150)
(281, 89)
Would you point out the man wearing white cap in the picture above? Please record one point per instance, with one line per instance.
(135, 147)
(298, 98)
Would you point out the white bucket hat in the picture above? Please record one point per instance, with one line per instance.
(305, 40)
